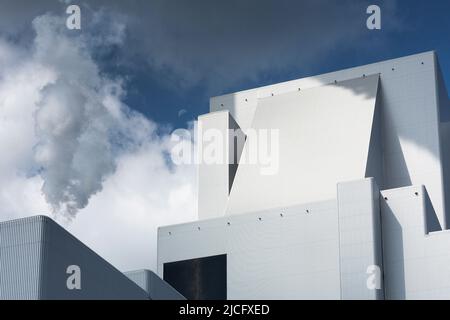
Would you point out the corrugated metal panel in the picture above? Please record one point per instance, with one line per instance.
(157, 288)
(20, 257)
(140, 277)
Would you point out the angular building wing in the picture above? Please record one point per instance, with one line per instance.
(357, 205)
(321, 137)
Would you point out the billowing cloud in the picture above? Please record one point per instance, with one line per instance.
(70, 147)
(78, 120)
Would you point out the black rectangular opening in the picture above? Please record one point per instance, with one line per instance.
(199, 279)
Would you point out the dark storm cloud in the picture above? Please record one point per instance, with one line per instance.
(216, 43)
(223, 42)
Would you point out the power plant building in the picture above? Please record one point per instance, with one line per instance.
(354, 203)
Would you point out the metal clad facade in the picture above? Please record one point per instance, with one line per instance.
(21, 258)
(35, 255)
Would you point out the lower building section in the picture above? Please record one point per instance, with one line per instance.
(416, 252)
(270, 255)
(366, 244)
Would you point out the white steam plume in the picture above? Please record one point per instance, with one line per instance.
(69, 144)
(81, 125)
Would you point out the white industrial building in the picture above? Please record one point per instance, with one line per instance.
(361, 182)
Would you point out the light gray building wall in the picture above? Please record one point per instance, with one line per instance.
(416, 254)
(313, 251)
(216, 179)
(276, 254)
(320, 137)
(412, 139)
(360, 240)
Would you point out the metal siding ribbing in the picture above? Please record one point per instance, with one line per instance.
(20, 258)
(140, 277)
